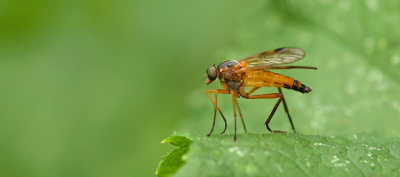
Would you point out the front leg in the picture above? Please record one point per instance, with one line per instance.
(216, 92)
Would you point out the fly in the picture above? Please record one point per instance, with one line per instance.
(253, 71)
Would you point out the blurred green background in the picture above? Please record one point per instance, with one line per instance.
(90, 88)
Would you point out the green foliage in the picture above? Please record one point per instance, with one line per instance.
(171, 162)
(82, 82)
(355, 97)
(280, 155)
(356, 87)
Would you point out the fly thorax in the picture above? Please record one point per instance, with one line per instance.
(234, 85)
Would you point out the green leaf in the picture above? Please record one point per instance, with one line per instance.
(354, 45)
(281, 155)
(173, 160)
(355, 97)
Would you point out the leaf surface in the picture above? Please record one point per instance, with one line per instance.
(282, 155)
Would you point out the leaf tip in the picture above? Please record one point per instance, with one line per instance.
(164, 141)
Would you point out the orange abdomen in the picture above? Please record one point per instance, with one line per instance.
(261, 78)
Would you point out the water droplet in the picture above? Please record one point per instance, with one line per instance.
(240, 153)
(370, 155)
(236, 149)
(320, 144)
(233, 149)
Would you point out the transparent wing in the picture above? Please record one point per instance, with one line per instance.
(274, 57)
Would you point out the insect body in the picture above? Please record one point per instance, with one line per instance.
(260, 78)
(253, 71)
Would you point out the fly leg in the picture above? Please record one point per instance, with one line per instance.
(216, 107)
(269, 96)
(240, 112)
(286, 109)
(252, 90)
(234, 113)
(241, 116)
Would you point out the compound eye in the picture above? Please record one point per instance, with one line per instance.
(212, 72)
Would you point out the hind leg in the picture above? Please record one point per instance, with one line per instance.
(286, 109)
(270, 96)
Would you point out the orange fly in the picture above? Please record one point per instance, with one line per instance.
(252, 71)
